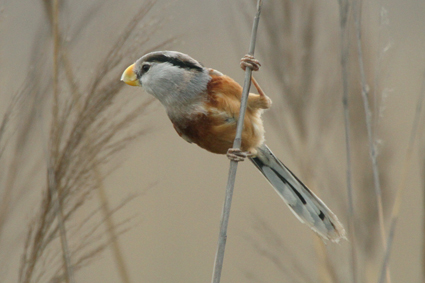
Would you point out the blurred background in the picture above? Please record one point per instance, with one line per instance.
(139, 204)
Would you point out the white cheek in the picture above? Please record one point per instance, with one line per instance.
(161, 81)
(163, 77)
(147, 84)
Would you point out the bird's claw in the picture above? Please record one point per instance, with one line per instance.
(237, 155)
(250, 62)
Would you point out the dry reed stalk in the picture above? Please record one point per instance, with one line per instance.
(111, 230)
(300, 59)
(405, 170)
(219, 257)
(423, 219)
(84, 136)
(371, 138)
(53, 188)
(344, 7)
(296, 71)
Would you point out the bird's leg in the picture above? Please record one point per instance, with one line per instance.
(257, 86)
(260, 100)
(236, 154)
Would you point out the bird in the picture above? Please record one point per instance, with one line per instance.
(203, 105)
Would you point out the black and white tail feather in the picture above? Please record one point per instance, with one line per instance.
(305, 205)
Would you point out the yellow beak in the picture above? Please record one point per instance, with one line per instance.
(129, 77)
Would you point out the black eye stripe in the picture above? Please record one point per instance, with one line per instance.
(175, 61)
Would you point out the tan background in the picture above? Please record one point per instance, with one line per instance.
(174, 230)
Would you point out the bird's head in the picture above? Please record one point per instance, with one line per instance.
(172, 77)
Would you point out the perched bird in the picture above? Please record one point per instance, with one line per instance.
(203, 105)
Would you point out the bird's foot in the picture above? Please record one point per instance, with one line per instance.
(250, 62)
(236, 154)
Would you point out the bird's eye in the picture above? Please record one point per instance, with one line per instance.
(145, 68)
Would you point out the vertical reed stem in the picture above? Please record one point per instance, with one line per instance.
(343, 12)
(218, 266)
(53, 185)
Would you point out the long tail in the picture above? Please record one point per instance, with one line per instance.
(306, 206)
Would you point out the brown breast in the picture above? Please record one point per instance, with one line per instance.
(213, 127)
